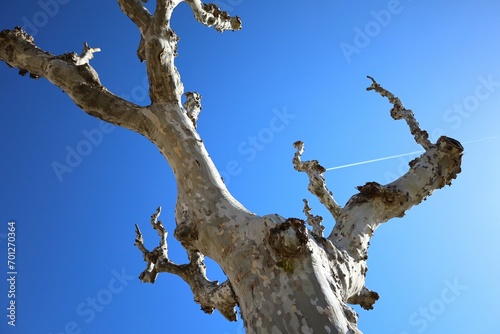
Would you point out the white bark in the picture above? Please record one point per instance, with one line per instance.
(284, 277)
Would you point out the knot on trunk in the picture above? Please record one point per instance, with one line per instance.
(186, 231)
(289, 238)
(193, 106)
(387, 195)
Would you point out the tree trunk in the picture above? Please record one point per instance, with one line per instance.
(291, 283)
(284, 276)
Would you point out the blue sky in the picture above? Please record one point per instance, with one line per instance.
(295, 72)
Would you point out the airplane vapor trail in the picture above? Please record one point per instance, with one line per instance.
(402, 155)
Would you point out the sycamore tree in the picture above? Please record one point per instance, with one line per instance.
(286, 275)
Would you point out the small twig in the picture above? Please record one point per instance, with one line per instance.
(139, 241)
(87, 54)
(313, 221)
(398, 111)
(317, 183)
(158, 254)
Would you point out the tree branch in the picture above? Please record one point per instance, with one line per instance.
(211, 15)
(161, 17)
(160, 43)
(75, 76)
(317, 183)
(87, 54)
(201, 192)
(209, 294)
(376, 204)
(365, 298)
(141, 16)
(202, 195)
(398, 111)
(313, 221)
(137, 12)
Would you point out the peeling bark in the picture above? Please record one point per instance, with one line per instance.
(284, 277)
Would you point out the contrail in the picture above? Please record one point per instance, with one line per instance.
(403, 155)
(375, 160)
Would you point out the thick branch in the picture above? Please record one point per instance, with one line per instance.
(158, 47)
(74, 76)
(141, 16)
(161, 17)
(211, 15)
(137, 12)
(209, 294)
(376, 204)
(160, 44)
(317, 183)
(202, 196)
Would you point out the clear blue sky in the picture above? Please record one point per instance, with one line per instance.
(297, 71)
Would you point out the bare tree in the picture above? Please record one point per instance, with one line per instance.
(284, 276)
